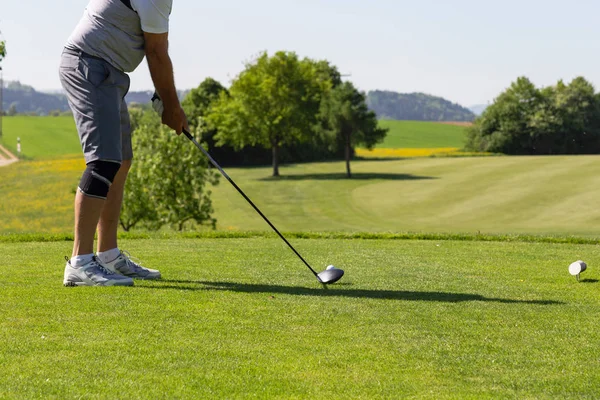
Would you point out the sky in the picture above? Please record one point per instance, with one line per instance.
(464, 50)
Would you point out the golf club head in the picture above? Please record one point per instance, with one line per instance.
(330, 276)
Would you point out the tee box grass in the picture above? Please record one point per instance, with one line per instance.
(243, 318)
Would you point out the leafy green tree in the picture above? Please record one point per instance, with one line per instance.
(168, 182)
(562, 119)
(198, 101)
(327, 71)
(274, 102)
(2, 49)
(346, 117)
(197, 104)
(504, 126)
(576, 106)
(139, 207)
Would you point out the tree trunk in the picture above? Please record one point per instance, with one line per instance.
(125, 227)
(275, 160)
(348, 153)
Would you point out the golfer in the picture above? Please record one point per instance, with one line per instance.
(111, 39)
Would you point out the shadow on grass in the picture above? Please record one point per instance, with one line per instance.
(332, 292)
(589, 281)
(342, 176)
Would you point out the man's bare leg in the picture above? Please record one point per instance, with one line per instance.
(84, 270)
(87, 214)
(108, 223)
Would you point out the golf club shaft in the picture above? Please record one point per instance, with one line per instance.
(189, 136)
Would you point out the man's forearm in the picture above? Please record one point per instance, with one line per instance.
(161, 70)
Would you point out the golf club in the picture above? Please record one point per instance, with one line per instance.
(326, 277)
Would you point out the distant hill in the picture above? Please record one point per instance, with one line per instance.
(145, 96)
(416, 107)
(27, 100)
(478, 109)
(139, 97)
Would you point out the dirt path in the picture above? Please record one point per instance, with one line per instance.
(6, 157)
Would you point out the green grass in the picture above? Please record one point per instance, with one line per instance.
(416, 134)
(41, 137)
(490, 313)
(216, 234)
(47, 137)
(497, 195)
(243, 318)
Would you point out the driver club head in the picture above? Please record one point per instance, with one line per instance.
(330, 275)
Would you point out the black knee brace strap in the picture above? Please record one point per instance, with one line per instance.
(98, 177)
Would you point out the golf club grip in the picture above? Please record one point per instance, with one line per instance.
(213, 162)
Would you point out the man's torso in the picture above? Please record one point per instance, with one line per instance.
(112, 31)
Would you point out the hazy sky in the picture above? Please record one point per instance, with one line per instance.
(467, 51)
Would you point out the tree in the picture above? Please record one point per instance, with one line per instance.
(562, 119)
(326, 71)
(504, 126)
(138, 205)
(576, 106)
(197, 104)
(274, 102)
(198, 101)
(168, 181)
(12, 110)
(346, 117)
(2, 49)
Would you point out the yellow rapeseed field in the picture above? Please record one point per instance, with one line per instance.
(409, 153)
(37, 196)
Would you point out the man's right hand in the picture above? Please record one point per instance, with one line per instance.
(175, 119)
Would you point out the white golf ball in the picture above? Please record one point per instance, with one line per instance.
(330, 267)
(577, 267)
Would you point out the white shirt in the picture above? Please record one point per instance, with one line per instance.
(154, 14)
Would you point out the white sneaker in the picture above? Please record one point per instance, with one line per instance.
(93, 274)
(125, 266)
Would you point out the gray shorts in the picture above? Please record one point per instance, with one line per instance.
(96, 92)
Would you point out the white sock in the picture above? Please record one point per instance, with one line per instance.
(81, 260)
(109, 255)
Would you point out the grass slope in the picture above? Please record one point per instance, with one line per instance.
(416, 134)
(529, 195)
(543, 195)
(240, 318)
(41, 137)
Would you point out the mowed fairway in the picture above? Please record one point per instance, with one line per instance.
(539, 195)
(535, 195)
(243, 318)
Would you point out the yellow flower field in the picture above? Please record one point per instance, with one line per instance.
(409, 153)
(37, 196)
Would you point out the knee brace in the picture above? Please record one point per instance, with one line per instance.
(98, 177)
